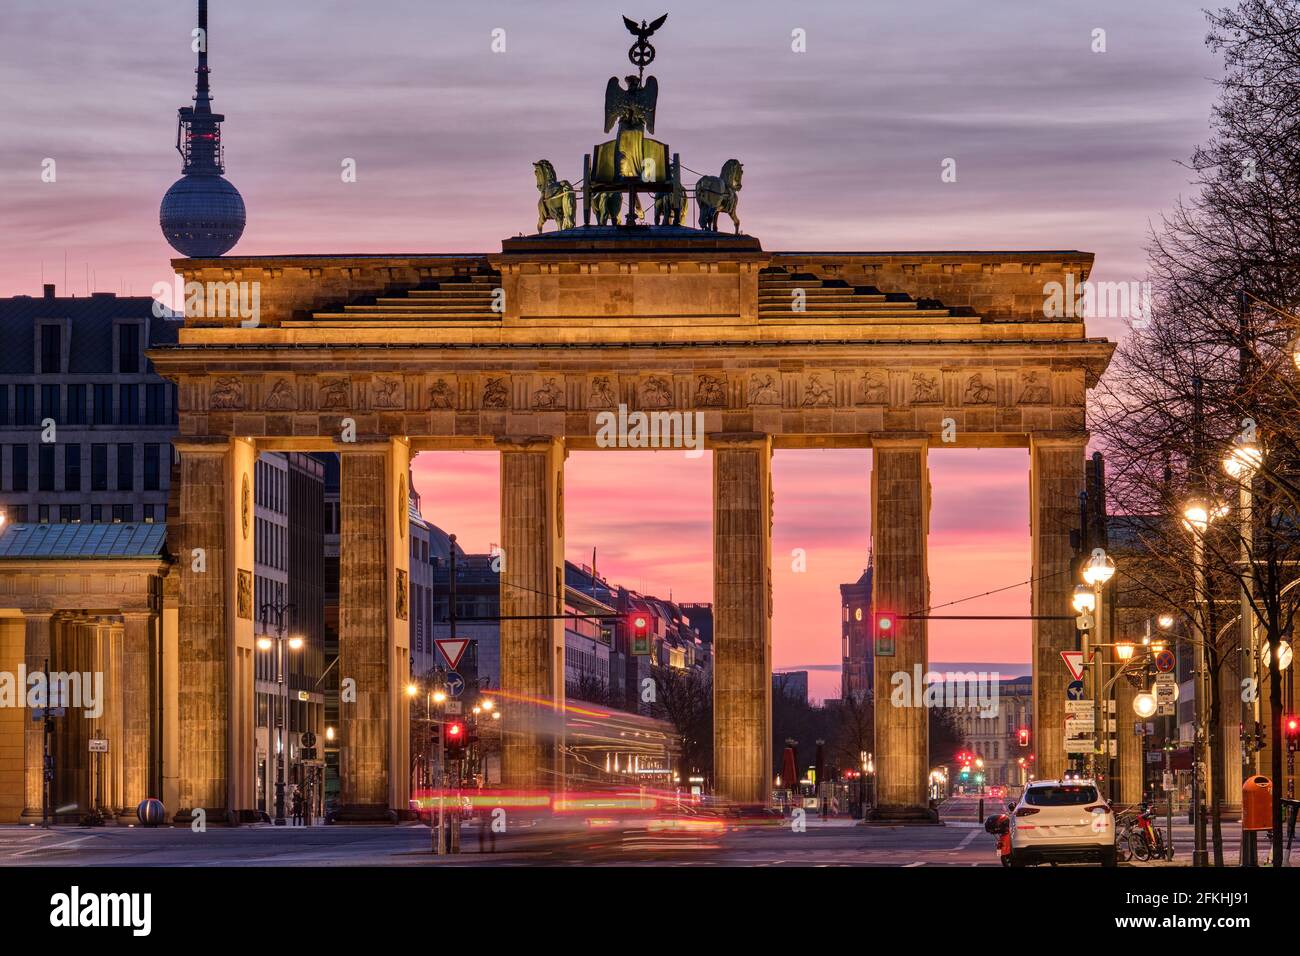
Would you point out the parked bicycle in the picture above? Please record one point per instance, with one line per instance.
(1139, 838)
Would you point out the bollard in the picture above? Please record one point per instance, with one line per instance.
(979, 817)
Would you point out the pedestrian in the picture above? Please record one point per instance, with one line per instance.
(306, 806)
(297, 807)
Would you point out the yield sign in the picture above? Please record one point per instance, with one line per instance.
(1074, 662)
(452, 650)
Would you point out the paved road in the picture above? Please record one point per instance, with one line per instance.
(821, 844)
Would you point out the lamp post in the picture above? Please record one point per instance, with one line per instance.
(1241, 464)
(277, 642)
(1097, 572)
(1198, 515)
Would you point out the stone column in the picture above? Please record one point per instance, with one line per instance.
(900, 523)
(1128, 745)
(36, 654)
(372, 556)
(1231, 711)
(742, 608)
(532, 583)
(203, 641)
(134, 702)
(1055, 481)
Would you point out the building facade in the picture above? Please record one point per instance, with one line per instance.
(858, 673)
(86, 423)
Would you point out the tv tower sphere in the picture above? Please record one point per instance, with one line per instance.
(202, 215)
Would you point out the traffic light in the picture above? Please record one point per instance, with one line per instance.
(884, 633)
(1022, 736)
(1291, 723)
(639, 624)
(455, 739)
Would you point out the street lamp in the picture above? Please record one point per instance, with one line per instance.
(1096, 573)
(265, 643)
(1198, 515)
(1144, 704)
(1124, 650)
(1166, 621)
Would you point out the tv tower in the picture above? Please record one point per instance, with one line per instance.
(202, 215)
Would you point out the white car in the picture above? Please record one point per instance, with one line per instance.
(1062, 821)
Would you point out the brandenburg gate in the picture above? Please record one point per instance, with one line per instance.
(377, 358)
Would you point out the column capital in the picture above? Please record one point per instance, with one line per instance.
(901, 440)
(202, 445)
(1062, 439)
(738, 439)
(533, 443)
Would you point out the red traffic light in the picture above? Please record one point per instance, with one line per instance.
(640, 622)
(1292, 724)
(884, 623)
(455, 731)
(1022, 736)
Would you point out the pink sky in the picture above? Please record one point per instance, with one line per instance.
(648, 515)
(1057, 147)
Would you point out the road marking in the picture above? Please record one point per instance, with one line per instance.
(54, 846)
(917, 863)
(966, 842)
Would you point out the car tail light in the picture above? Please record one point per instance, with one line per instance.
(1026, 811)
(1103, 808)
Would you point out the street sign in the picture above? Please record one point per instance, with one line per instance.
(1074, 690)
(1080, 727)
(98, 745)
(1166, 781)
(1165, 661)
(452, 650)
(308, 739)
(1166, 688)
(1074, 662)
(455, 684)
(452, 707)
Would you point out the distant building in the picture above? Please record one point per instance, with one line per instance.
(791, 684)
(289, 572)
(857, 651)
(995, 737)
(85, 423)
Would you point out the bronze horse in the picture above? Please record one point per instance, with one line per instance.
(715, 194)
(670, 207)
(557, 200)
(607, 206)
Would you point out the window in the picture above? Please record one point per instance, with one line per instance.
(43, 514)
(24, 405)
(128, 406)
(51, 353)
(128, 348)
(122, 513)
(50, 402)
(151, 467)
(155, 404)
(70, 514)
(45, 467)
(99, 468)
(72, 468)
(75, 414)
(1074, 795)
(4, 404)
(18, 514)
(103, 404)
(20, 467)
(96, 513)
(126, 468)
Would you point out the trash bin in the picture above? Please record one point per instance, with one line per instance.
(1257, 803)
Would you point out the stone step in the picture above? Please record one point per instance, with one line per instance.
(372, 318)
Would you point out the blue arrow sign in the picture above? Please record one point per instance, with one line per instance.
(455, 684)
(1074, 690)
